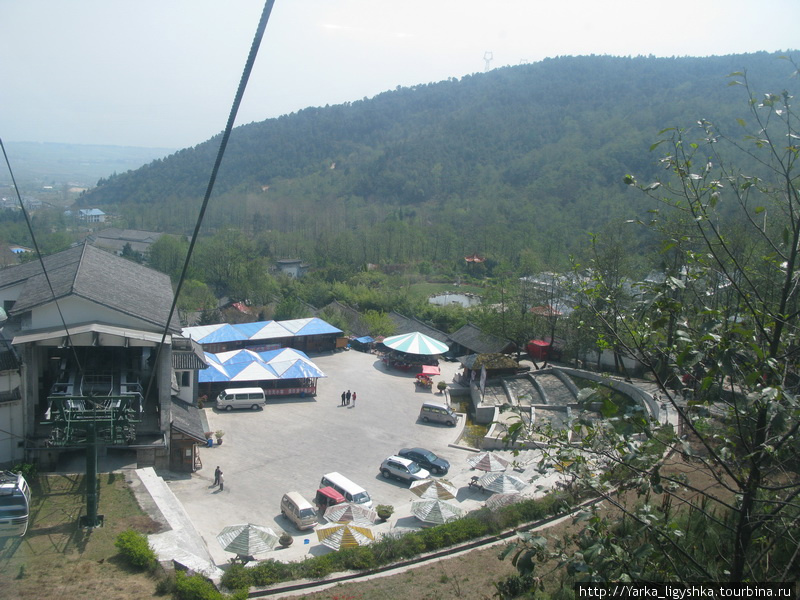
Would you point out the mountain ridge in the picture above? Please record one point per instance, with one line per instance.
(516, 146)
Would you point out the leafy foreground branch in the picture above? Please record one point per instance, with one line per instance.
(719, 333)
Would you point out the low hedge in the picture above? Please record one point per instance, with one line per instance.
(388, 549)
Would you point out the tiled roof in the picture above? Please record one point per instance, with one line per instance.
(472, 338)
(97, 276)
(186, 419)
(187, 360)
(409, 325)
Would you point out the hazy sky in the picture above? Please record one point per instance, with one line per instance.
(163, 73)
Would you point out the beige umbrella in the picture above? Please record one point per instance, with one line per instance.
(348, 512)
(435, 511)
(344, 535)
(496, 501)
(434, 489)
(247, 539)
(487, 461)
(502, 483)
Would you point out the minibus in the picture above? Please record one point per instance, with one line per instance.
(348, 489)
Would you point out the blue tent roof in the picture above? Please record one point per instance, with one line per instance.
(246, 365)
(250, 329)
(311, 326)
(226, 333)
(205, 334)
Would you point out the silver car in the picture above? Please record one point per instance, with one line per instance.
(402, 469)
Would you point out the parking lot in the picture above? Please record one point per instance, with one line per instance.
(290, 444)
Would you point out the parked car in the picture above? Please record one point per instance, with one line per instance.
(298, 510)
(426, 459)
(438, 413)
(402, 469)
(241, 398)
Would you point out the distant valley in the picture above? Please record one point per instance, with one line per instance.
(39, 164)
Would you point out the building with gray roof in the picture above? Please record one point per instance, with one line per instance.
(92, 334)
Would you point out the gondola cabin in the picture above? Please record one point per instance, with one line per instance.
(15, 502)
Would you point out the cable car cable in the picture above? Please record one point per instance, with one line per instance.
(262, 24)
(41, 259)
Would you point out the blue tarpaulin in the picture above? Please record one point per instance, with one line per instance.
(262, 330)
(246, 365)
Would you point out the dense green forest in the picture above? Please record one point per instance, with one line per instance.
(518, 164)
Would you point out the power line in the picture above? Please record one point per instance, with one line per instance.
(41, 259)
(262, 24)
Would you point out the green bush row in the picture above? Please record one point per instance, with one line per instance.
(390, 549)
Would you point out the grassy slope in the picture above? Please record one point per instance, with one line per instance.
(57, 558)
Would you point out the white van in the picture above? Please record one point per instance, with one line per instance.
(348, 489)
(438, 413)
(298, 510)
(241, 398)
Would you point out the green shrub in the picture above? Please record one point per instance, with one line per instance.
(410, 545)
(386, 550)
(29, 470)
(317, 567)
(389, 549)
(237, 577)
(384, 511)
(195, 587)
(515, 586)
(356, 559)
(136, 550)
(431, 538)
(268, 572)
(166, 584)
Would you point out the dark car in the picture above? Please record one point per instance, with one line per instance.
(426, 459)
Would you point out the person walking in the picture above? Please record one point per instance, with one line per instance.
(217, 473)
(354, 399)
(348, 396)
(344, 396)
(221, 482)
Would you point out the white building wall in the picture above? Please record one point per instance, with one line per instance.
(79, 310)
(11, 293)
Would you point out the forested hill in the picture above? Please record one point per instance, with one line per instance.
(519, 157)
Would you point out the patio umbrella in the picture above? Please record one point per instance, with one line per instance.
(415, 343)
(435, 511)
(502, 483)
(499, 500)
(344, 535)
(487, 461)
(434, 489)
(351, 513)
(247, 539)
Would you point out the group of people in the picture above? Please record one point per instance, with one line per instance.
(348, 397)
(219, 479)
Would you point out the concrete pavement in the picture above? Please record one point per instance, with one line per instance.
(290, 444)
